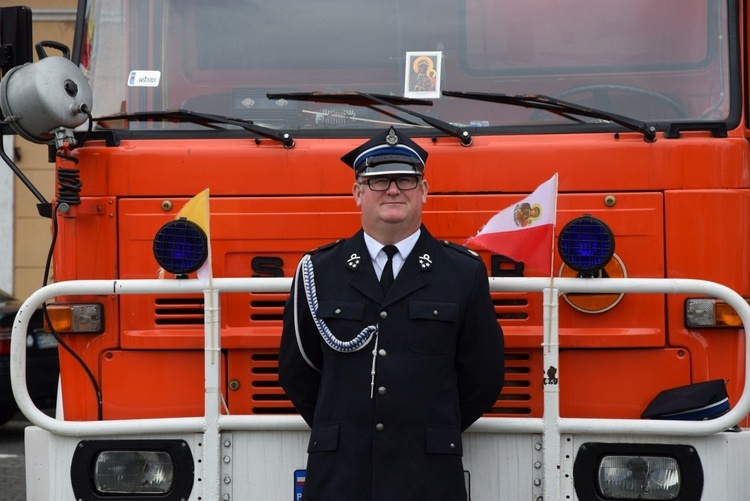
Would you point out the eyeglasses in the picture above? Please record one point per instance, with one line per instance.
(403, 183)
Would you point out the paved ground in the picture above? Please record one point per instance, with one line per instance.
(12, 468)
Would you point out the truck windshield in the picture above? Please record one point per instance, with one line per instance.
(653, 61)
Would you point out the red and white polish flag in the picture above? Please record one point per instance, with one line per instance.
(525, 230)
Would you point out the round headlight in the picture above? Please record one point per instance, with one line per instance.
(180, 247)
(586, 244)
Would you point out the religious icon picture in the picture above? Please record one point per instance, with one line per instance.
(422, 75)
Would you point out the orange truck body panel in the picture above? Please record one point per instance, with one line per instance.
(300, 199)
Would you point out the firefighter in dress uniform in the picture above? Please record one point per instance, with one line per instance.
(388, 375)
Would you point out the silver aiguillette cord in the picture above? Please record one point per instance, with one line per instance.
(372, 371)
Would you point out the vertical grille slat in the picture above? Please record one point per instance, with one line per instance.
(188, 310)
(511, 306)
(520, 398)
(267, 395)
(267, 307)
(182, 310)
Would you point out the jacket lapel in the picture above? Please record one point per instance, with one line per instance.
(411, 277)
(363, 277)
(413, 274)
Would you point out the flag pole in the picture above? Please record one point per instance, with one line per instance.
(548, 331)
(552, 242)
(213, 315)
(551, 439)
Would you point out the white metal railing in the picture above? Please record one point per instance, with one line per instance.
(551, 426)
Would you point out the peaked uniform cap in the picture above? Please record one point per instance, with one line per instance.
(389, 152)
(693, 402)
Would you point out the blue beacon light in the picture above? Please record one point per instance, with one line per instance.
(180, 247)
(586, 244)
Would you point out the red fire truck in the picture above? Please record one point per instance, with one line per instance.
(169, 386)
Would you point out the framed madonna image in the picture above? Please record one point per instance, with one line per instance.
(422, 75)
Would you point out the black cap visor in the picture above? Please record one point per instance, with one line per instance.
(390, 164)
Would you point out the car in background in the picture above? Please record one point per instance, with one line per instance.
(42, 363)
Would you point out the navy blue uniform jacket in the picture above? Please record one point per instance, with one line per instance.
(439, 366)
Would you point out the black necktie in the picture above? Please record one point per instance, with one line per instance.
(386, 279)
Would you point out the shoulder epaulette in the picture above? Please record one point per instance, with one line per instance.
(325, 247)
(461, 249)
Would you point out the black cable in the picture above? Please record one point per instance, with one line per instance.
(68, 181)
(59, 339)
(69, 192)
(85, 109)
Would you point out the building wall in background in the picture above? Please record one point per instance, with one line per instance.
(52, 20)
(6, 223)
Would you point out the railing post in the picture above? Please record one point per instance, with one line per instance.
(213, 400)
(551, 378)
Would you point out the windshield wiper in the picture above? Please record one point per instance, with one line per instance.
(390, 101)
(205, 119)
(559, 107)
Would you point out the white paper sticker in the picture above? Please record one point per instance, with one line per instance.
(144, 78)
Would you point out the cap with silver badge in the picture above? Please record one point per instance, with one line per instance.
(387, 153)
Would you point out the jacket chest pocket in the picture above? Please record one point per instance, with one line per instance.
(434, 325)
(334, 309)
(344, 318)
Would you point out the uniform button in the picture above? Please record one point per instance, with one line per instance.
(381, 352)
(384, 314)
(381, 390)
(453, 446)
(338, 311)
(435, 312)
(379, 427)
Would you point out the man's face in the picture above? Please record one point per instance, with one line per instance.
(393, 205)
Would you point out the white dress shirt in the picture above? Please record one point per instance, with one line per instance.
(379, 258)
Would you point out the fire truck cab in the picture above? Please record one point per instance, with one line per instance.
(169, 385)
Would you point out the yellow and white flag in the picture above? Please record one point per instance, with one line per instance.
(196, 210)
